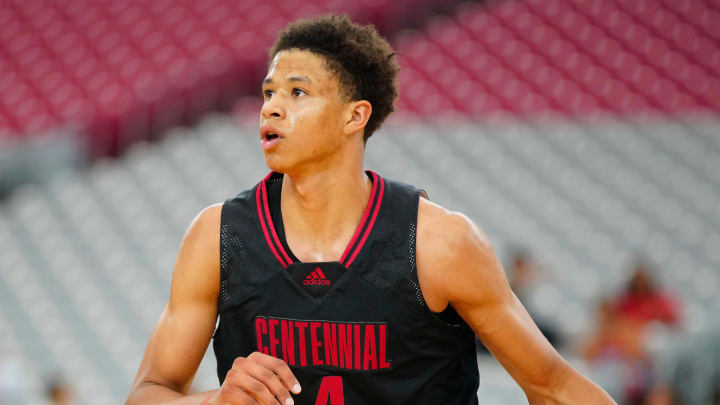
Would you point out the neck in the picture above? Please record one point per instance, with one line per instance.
(322, 208)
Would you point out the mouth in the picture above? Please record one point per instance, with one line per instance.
(269, 136)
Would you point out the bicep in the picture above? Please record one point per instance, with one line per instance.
(468, 275)
(182, 334)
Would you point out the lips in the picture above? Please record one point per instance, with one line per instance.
(269, 136)
(268, 132)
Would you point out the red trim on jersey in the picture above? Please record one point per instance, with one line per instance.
(353, 248)
(270, 221)
(264, 229)
(360, 226)
(372, 221)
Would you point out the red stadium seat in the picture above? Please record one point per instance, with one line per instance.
(88, 61)
(171, 60)
(575, 57)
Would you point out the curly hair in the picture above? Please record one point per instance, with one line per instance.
(362, 60)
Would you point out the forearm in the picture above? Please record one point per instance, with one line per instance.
(574, 389)
(151, 393)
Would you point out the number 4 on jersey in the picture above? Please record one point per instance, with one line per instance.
(330, 389)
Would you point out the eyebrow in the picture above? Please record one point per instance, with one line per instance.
(300, 78)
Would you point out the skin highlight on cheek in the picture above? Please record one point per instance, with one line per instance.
(292, 120)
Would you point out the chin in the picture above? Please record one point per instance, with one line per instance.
(276, 163)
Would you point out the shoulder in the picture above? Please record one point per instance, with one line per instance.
(206, 222)
(201, 241)
(196, 274)
(453, 254)
(447, 235)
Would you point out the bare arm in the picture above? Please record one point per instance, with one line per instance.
(185, 327)
(183, 332)
(459, 267)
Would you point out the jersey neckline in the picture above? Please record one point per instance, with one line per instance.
(353, 248)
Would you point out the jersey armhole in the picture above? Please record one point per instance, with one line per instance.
(224, 293)
(448, 316)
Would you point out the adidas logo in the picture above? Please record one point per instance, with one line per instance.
(317, 277)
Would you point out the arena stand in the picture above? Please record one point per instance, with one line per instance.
(123, 71)
(87, 78)
(586, 131)
(537, 57)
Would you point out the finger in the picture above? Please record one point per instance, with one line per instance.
(257, 389)
(234, 395)
(271, 380)
(280, 368)
(239, 382)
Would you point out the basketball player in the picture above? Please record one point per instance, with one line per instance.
(334, 285)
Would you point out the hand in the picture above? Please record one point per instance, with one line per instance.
(257, 379)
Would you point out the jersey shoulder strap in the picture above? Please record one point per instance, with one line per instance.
(390, 262)
(245, 260)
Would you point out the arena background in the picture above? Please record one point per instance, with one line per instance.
(583, 134)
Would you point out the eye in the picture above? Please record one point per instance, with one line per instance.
(268, 93)
(298, 92)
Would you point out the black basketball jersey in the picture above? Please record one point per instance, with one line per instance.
(356, 331)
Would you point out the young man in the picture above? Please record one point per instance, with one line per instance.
(332, 284)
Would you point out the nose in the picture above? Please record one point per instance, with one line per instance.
(273, 108)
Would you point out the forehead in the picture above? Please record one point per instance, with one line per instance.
(299, 63)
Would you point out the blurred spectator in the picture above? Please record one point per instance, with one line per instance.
(523, 276)
(522, 273)
(617, 352)
(58, 392)
(662, 394)
(643, 302)
(616, 337)
(618, 348)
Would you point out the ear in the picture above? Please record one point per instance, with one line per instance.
(358, 114)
